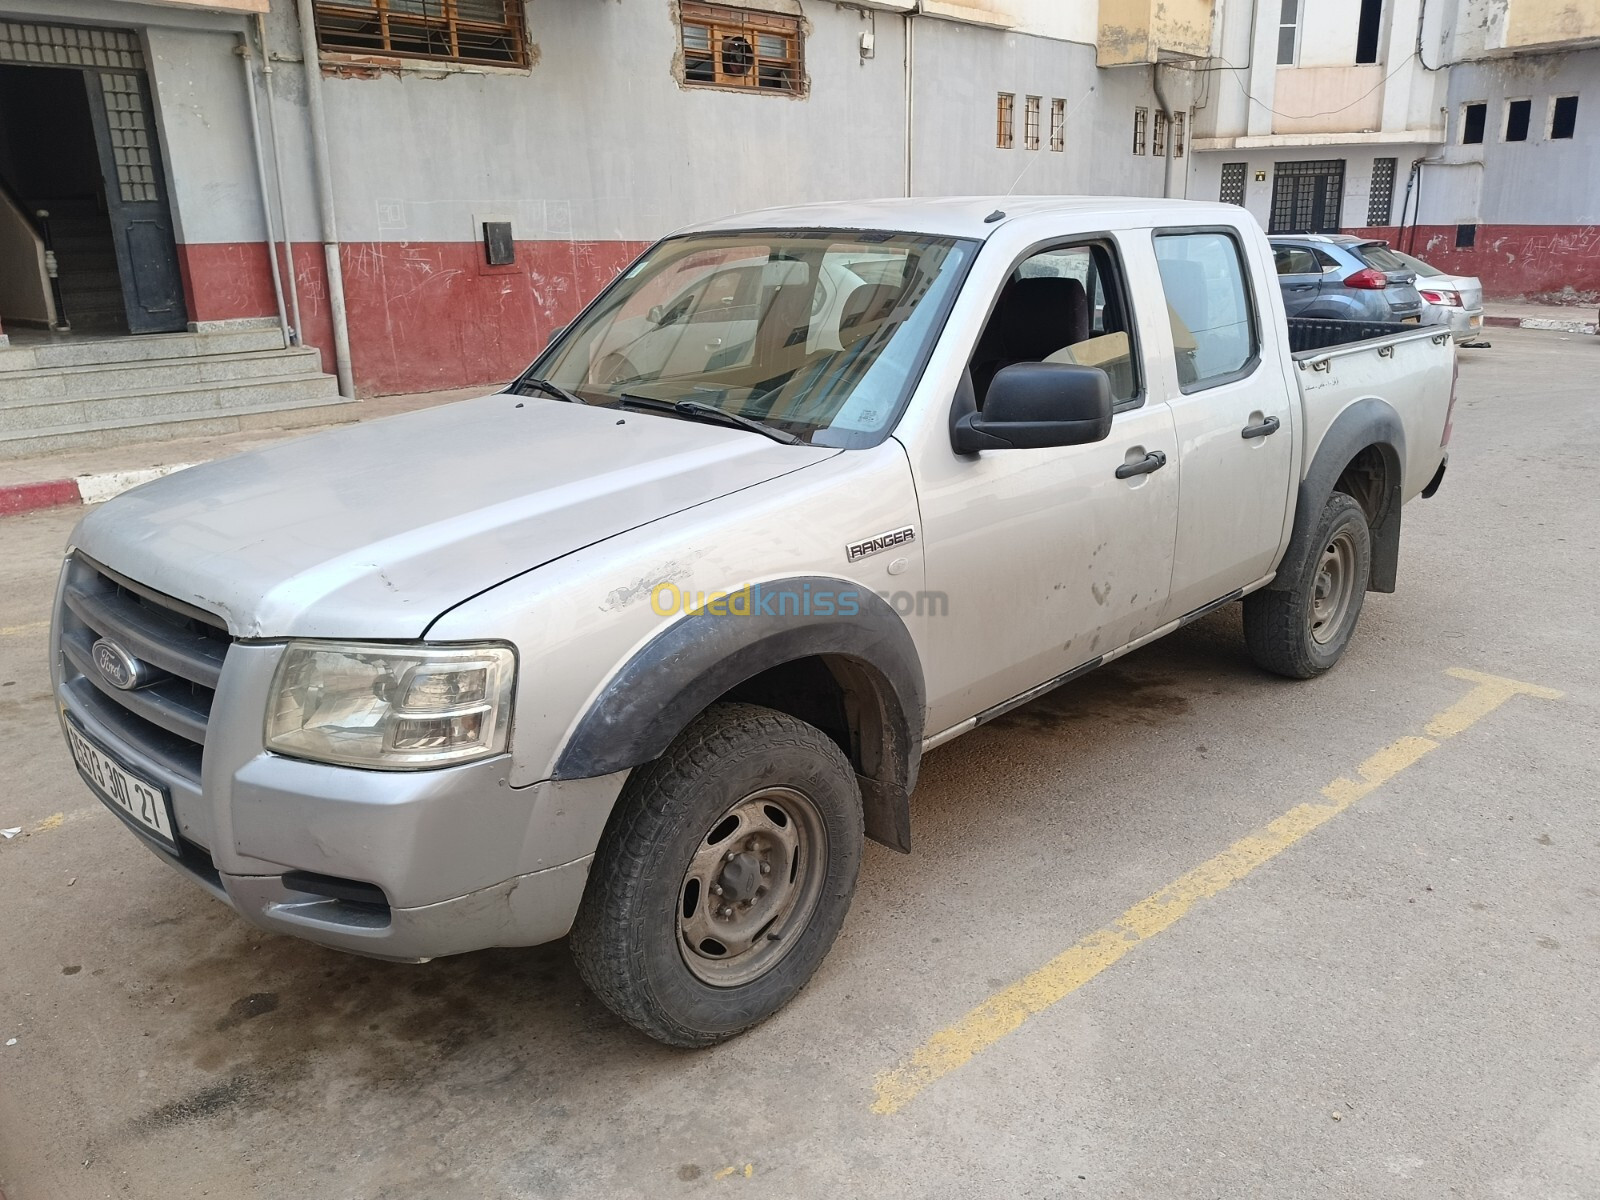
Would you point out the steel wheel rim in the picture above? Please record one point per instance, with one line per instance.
(762, 863)
(1333, 588)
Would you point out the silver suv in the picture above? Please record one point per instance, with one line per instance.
(1344, 278)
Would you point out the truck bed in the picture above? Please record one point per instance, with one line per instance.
(1409, 368)
(1307, 335)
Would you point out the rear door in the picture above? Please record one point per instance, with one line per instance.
(1232, 414)
(1299, 276)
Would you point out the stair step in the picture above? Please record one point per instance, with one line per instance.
(295, 415)
(97, 351)
(146, 375)
(185, 402)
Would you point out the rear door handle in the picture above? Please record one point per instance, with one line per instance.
(1153, 461)
(1269, 426)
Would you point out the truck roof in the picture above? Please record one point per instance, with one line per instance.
(966, 216)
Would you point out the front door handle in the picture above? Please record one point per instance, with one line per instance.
(1153, 461)
(1269, 426)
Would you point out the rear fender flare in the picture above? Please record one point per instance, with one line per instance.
(1367, 422)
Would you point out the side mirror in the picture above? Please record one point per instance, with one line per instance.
(1034, 405)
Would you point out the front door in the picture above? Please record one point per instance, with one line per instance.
(1307, 196)
(1048, 558)
(136, 202)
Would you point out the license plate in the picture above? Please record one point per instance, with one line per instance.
(1416, 320)
(144, 803)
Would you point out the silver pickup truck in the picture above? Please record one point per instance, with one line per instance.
(643, 646)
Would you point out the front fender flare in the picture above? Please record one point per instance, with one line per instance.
(687, 666)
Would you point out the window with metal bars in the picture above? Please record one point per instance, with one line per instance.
(1030, 123)
(1058, 124)
(737, 48)
(1141, 119)
(466, 31)
(1178, 121)
(1307, 196)
(1233, 183)
(1380, 197)
(1005, 107)
(1158, 139)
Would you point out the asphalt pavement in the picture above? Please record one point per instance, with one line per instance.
(1177, 930)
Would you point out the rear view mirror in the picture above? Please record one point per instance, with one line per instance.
(1033, 405)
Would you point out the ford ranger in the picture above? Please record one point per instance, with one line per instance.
(641, 647)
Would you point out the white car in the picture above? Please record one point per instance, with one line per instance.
(1453, 300)
(643, 646)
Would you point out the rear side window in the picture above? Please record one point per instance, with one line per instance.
(1294, 260)
(1208, 303)
(1381, 257)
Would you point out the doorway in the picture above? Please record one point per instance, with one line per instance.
(79, 161)
(1307, 196)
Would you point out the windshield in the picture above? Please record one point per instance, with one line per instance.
(817, 333)
(1416, 264)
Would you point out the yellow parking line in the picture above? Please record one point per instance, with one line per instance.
(31, 627)
(1007, 1009)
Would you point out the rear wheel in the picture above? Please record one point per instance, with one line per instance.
(723, 878)
(1303, 630)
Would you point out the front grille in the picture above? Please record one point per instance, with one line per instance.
(184, 647)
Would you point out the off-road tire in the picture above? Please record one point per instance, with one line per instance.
(627, 938)
(1278, 625)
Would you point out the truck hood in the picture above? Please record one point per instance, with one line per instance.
(373, 530)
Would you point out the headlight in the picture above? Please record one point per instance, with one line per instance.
(394, 708)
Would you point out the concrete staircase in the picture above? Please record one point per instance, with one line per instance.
(68, 393)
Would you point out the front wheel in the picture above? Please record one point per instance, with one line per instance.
(1303, 630)
(723, 877)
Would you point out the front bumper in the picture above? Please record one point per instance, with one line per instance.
(394, 864)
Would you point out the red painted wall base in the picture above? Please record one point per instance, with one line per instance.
(1512, 260)
(422, 315)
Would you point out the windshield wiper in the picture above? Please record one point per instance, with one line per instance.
(551, 389)
(699, 410)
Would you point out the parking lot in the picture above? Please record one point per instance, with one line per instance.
(1179, 929)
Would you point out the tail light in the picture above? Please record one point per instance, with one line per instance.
(1448, 299)
(1371, 279)
(1450, 412)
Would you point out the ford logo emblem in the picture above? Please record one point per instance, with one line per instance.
(116, 666)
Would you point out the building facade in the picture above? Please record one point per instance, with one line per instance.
(1464, 131)
(447, 184)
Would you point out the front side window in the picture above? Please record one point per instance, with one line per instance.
(467, 31)
(735, 48)
(1063, 305)
(1208, 304)
(817, 334)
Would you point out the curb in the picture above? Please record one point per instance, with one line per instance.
(85, 489)
(1540, 323)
